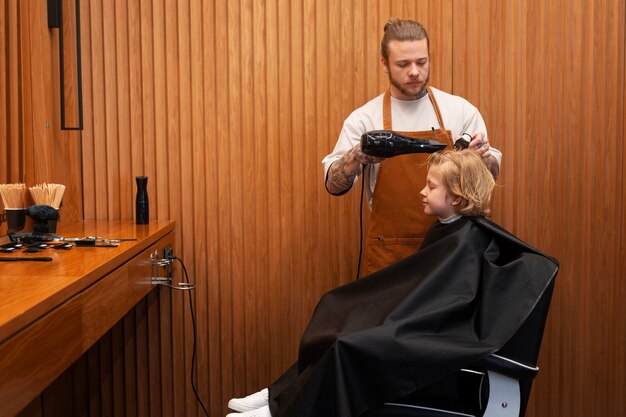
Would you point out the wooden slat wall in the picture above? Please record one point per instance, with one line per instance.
(10, 97)
(11, 152)
(34, 148)
(557, 112)
(229, 107)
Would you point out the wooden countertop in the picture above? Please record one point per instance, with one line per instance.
(52, 312)
(31, 289)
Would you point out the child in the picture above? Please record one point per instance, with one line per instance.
(458, 183)
(378, 339)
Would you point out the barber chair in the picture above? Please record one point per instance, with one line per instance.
(497, 386)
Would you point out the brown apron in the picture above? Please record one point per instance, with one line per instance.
(397, 223)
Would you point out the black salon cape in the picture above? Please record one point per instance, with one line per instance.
(459, 298)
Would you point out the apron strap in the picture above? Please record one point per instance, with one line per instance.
(436, 106)
(387, 110)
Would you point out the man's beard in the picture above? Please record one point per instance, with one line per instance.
(419, 94)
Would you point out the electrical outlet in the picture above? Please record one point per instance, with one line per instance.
(168, 252)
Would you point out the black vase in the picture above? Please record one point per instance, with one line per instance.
(142, 208)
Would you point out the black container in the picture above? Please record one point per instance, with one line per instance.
(15, 219)
(142, 209)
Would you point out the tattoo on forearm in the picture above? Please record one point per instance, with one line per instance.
(338, 179)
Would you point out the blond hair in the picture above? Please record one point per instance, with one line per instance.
(465, 175)
(401, 30)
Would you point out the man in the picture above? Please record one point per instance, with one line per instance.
(412, 108)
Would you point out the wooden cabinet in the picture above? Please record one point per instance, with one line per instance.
(52, 312)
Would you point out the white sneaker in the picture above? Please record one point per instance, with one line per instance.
(251, 402)
(259, 412)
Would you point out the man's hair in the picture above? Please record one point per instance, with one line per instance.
(401, 30)
(465, 175)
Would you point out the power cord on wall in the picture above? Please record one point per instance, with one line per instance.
(358, 266)
(193, 325)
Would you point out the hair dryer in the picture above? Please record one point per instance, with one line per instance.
(386, 143)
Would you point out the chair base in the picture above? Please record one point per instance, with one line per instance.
(467, 393)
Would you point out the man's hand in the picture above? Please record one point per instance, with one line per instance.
(342, 172)
(480, 145)
(356, 154)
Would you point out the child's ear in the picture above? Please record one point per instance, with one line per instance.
(456, 201)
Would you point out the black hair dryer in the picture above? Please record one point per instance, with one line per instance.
(386, 143)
